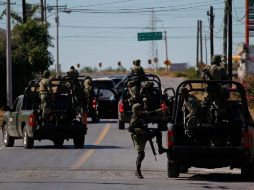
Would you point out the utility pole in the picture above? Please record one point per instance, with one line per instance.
(225, 33)
(201, 41)
(24, 11)
(197, 55)
(8, 56)
(247, 23)
(57, 41)
(206, 50)
(166, 47)
(42, 10)
(211, 14)
(230, 39)
(45, 10)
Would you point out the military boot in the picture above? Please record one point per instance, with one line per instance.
(139, 174)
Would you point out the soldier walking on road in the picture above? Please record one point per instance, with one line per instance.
(45, 93)
(141, 134)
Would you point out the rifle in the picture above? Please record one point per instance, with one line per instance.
(152, 147)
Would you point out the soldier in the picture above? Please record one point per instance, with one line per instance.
(133, 92)
(214, 72)
(73, 72)
(137, 69)
(45, 93)
(147, 94)
(89, 91)
(141, 134)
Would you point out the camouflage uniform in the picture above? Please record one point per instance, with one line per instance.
(137, 69)
(141, 134)
(214, 72)
(133, 93)
(89, 91)
(45, 93)
(147, 95)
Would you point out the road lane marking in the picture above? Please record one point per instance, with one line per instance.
(89, 153)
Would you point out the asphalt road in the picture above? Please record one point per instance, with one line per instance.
(106, 162)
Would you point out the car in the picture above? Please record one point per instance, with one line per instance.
(158, 102)
(103, 82)
(67, 119)
(212, 140)
(106, 98)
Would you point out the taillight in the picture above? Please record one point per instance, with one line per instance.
(170, 139)
(247, 139)
(163, 106)
(32, 120)
(94, 104)
(121, 107)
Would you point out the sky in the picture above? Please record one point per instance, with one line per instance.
(106, 30)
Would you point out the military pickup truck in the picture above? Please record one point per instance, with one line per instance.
(67, 119)
(211, 138)
(155, 100)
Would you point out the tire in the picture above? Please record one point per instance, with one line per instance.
(173, 169)
(58, 143)
(7, 139)
(184, 168)
(79, 141)
(27, 141)
(247, 172)
(121, 125)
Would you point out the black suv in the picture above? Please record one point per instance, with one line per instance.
(215, 140)
(157, 99)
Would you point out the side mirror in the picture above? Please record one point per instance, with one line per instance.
(6, 108)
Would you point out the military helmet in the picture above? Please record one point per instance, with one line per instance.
(216, 59)
(46, 73)
(137, 107)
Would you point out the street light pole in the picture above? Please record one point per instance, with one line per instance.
(57, 41)
(8, 57)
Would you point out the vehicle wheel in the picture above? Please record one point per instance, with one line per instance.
(7, 139)
(121, 125)
(58, 142)
(247, 172)
(184, 168)
(173, 169)
(79, 141)
(27, 141)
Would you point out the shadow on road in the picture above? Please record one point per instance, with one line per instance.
(215, 177)
(103, 121)
(97, 147)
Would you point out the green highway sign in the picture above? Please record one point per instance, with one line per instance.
(145, 36)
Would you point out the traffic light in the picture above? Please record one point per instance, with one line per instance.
(149, 61)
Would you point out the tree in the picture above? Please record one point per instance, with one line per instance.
(30, 55)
